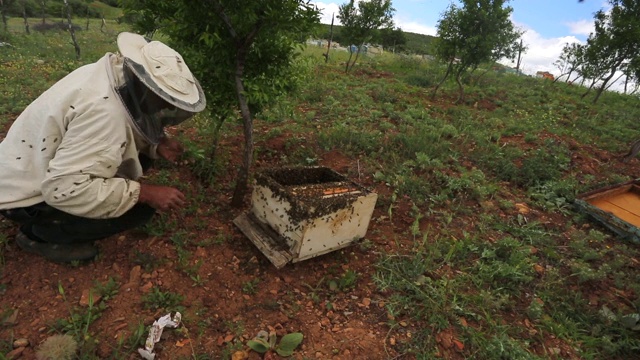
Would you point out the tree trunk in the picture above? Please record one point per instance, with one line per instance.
(613, 82)
(44, 11)
(558, 78)
(460, 88)
(242, 47)
(569, 76)
(326, 56)
(242, 182)
(71, 30)
(633, 151)
(24, 16)
(583, 80)
(604, 84)
(356, 59)
(4, 16)
(446, 75)
(626, 82)
(593, 82)
(346, 69)
(519, 58)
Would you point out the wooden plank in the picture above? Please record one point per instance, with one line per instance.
(607, 192)
(262, 239)
(623, 229)
(626, 206)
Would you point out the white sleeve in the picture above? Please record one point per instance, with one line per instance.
(80, 177)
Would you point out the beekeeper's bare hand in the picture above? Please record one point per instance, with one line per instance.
(170, 149)
(162, 198)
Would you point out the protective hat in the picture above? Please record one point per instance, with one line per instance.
(163, 71)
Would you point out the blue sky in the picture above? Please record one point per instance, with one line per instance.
(549, 24)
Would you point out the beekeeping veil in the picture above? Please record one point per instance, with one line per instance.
(164, 74)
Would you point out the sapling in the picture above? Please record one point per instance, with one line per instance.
(265, 342)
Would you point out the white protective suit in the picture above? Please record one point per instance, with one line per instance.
(74, 147)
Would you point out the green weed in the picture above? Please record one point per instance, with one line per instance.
(165, 300)
(250, 287)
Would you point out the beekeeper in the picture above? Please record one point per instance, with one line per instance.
(70, 162)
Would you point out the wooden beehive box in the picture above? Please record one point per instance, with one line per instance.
(302, 212)
(616, 207)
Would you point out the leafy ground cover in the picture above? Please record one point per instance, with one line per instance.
(474, 249)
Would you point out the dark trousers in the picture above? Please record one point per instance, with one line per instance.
(42, 222)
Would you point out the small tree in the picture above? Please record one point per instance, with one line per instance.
(393, 38)
(570, 60)
(479, 32)
(360, 22)
(614, 46)
(243, 53)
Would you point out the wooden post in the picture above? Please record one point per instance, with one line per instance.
(72, 31)
(519, 58)
(326, 56)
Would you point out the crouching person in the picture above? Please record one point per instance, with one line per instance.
(70, 162)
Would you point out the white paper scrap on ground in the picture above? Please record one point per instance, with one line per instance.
(155, 332)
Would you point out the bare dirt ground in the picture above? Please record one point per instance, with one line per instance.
(350, 324)
(336, 324)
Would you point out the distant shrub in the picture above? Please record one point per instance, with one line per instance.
(524, 168)
(420, 80)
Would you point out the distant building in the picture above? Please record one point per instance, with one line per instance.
(544, 75)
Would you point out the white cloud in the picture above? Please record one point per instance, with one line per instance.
(327, 10)
(414, 27)
(580, 27)
(541, 52)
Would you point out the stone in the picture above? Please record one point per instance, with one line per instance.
(15, 353)
(134, 275)
(84, 298)
(22, 342)
(146, 288)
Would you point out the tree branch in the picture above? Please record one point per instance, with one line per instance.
(225, 19)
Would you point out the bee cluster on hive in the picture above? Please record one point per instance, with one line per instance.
(310, 210)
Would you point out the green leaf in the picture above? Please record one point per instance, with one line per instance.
(258, 345)
(284, 353)
(630, 321)
(272, 339)
(288, 343)
(333, 285)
